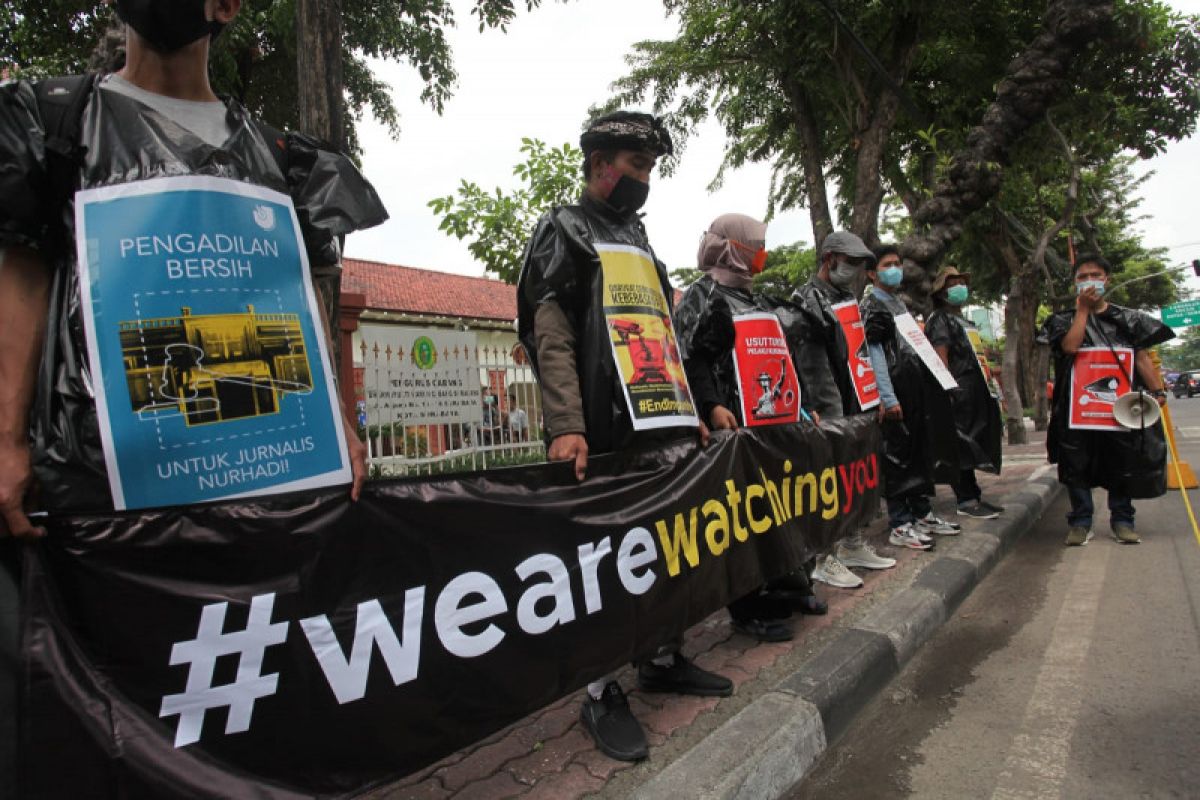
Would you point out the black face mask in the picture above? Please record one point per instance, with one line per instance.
(167, 25)
(628, 195)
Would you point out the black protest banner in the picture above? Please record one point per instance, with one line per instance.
(303, 644)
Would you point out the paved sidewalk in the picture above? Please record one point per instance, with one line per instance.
(790, 699)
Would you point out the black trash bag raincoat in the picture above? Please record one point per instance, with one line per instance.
(819, 348)
(1128, 463)
(127, 141)
(976, 410)
(924, 442)
(561, 266)
(706, 337)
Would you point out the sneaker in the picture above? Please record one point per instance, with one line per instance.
(1078, 536)
(612, 725)
(906, 536)
(991, 506)
(931, 523)
(863, 556)
(834, 573)
(682, 677)
(1124, 533)
(764, 630)
(977, 510)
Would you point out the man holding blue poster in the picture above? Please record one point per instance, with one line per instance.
(160, 341)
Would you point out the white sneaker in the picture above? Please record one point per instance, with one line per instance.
(906, 536)
(834, 573)
(863, 556)
(931, 523)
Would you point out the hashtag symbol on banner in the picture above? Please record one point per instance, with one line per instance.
(201, 654)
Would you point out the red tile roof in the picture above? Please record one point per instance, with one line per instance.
(391, 287)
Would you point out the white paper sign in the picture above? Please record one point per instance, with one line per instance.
(915, 337)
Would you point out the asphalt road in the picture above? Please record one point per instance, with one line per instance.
(1069, 673)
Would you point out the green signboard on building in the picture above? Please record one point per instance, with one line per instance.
(1181, 315)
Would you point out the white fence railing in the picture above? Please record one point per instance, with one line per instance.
(438, 401)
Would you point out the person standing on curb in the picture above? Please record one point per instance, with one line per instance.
(563, 325)
(915, 412)
(823, 359)
(157, 118)
(732, 251)
(1090, 447)
(976, 410)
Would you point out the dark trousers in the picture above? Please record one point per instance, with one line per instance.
(907, 508)
(966, 488)
(1120, 508)
(9, 665)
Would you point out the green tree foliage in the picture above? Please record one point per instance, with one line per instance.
(499, 222)
(254, 60)
(1184, 353)
(787, 266)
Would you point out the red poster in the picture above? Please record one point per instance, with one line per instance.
(1097, 380)
(765, 376)
(861, 373)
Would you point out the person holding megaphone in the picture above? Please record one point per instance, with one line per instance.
(1101, 353)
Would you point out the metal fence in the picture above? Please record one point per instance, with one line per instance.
(445, 401)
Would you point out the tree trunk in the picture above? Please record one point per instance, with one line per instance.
(1010, 366)
(1041, 371)
(813, 159)
(321, 106)
(1032, 83)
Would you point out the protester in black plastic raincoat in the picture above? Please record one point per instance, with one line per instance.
(918, 431)
(564, 329)
(732, 251)
(156, 118)
(1128, 463)
(822, 357)
(976, 410)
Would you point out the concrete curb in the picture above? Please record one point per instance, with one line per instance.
(771, 744)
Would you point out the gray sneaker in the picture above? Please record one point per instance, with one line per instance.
(1078, 536)
(1124, 533)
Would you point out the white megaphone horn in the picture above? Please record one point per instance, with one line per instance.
(1136, 410)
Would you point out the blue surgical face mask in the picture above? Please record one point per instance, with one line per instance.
(957, 295)
(891, 276)
(1080, 286)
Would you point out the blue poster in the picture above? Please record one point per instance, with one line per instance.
(208, 359)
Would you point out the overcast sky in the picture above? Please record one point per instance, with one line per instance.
(538, 81)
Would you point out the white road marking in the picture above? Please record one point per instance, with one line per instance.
(1192, 432)
(1036, 765)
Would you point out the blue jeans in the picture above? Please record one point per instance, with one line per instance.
(906, 509)
(1120, 509)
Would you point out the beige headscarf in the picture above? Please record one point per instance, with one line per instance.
(728, 264)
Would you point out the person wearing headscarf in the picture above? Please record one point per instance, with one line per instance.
(562, 325)
(822, 357)
(976, 410)
(732, 251)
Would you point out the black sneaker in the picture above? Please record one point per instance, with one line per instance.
(977, 510)
(683, 677)
(991, 506)
(612, 725)
(764, 630)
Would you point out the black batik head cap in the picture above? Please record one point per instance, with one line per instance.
(627, 130)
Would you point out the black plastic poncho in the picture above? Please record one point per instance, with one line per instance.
(127, 141)
(819, 348)
(976, 410)
(706, 337)
(924, 441)
(561, 266)
(1127, 463)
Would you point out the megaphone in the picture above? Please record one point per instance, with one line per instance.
(1136, 410)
